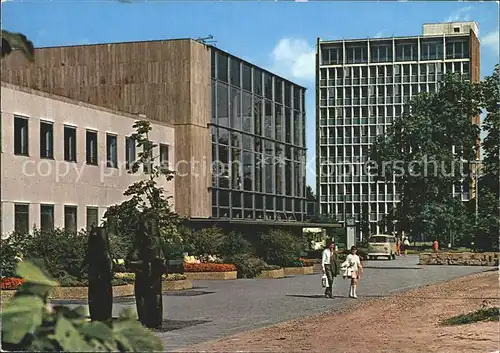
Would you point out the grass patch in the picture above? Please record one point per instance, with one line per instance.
(484, 314)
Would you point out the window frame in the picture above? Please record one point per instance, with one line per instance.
(111, 161)
(51, 207)
(44, 152)
(66, 208)
(70, 155)
(27, 213)
(22, 149)
(89, 154)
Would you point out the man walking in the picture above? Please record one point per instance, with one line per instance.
(330, 267)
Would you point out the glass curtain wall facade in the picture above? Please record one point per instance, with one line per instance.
(258, 143)
(363, 85)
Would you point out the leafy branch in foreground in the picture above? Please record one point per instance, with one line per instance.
(31, 323)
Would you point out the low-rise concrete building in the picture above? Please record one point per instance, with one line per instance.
(63, 162)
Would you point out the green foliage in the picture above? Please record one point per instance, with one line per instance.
(483, 314)
(280, 248)
(17, 41)
(207, 241)
(434, 128)
(30, 323)
(249, 266)
(234, 244)
(147, 198)
(61, 252)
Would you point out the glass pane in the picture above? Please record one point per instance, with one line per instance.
(235, 72)
(92, 217)
(21, 218)
(70, 218)
(222, 67)
(46, 217)
(222, 104)
(235, 106)
(247, 111)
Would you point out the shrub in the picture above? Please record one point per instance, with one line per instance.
(174, 277)
(234, 244)
(30, 323)
(203, 242)
(62, 251)
(279, 248)
(208, 267)
(10, 283)
(130, 277)
(11, 252)
(249, 266)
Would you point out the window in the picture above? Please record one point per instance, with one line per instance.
(92, 217)
(46, 217)
(380, 52)
(46, 140)
(164, 156)
(111, 151)
(129, 152)
(91, 147)
(235, 72)
(20, 136)
(222, 74)
(70, 218)
(247, 77)
(21, 219)
(456, 29)
(69, 144)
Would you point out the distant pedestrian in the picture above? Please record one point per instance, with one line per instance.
(330, 266)
(398, 247)
(353, 270)
(406, 245)
(435, 246)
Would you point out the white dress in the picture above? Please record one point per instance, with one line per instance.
(353, 262)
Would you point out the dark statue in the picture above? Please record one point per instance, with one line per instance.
(100, 274)
(148, 262)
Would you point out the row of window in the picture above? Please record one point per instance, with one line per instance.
(257, 117)
(224, 212)
(354, 190)
(233, 71)
(349, 131)
(360, 112)
(22, 217)
(386, 71)
(238, 142)
(403, 50)
(21, 144)
(257, 172)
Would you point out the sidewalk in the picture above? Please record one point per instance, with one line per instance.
(405, 322)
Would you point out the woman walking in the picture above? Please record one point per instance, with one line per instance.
(353, 270)
(330, 267)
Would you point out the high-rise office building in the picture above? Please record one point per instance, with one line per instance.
(361, 86)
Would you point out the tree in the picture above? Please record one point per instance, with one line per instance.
(17, 41)
(310, 194)
(423, 150)
(147, 197)
(489, 195)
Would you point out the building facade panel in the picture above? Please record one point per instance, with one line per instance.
(362, 86)
(51, 161)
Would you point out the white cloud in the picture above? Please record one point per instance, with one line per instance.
(461, 14)
(491, 40)
(294, 58)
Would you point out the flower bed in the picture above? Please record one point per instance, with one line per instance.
(208, 267)
(123, 285)
(8, 283)
(307, 262)
(210, 271)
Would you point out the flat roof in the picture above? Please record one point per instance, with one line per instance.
(381, 39)
(176, 39)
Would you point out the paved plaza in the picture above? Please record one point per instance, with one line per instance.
(214, 309)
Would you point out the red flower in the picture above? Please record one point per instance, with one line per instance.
(208, 267)
(10, 283)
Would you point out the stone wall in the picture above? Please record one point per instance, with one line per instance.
(460, 258)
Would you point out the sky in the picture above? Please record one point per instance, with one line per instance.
(277, 35)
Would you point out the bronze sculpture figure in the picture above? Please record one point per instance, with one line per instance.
(148, 263)
(100, 274)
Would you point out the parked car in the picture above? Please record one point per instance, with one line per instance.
(382, 245)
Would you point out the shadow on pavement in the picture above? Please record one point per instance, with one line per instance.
(172, 325)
